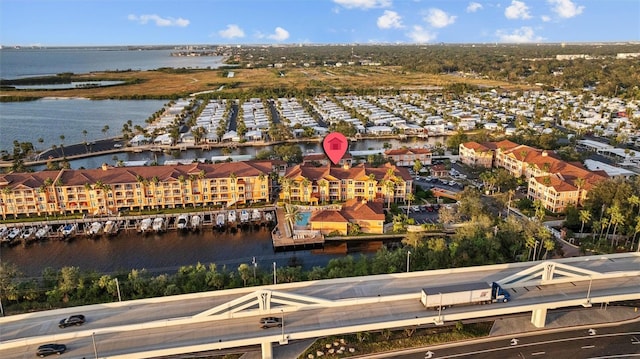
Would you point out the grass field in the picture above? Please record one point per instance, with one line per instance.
(182, 83)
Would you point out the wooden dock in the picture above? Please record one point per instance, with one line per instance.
(283, 238)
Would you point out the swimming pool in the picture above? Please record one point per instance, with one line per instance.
(304, 219)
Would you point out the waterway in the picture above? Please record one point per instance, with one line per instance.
(160, 253)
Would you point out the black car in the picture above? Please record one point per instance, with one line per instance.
(77, 319)
(269, 322)
(48, 349)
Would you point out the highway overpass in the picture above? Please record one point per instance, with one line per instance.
(227, 319)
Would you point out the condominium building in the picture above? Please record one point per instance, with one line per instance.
(556, 183)
(108, 190)
(311, 184)
(407, 157)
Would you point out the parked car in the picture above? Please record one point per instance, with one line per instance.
(48, 349)
(270, 322)
(77, 319)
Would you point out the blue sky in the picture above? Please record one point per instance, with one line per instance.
(163, 22)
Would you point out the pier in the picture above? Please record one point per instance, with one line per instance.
(285, 238)
(69, 229)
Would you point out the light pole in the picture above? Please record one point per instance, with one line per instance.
(118, 288)
(255, 264)
(284, 340)
(408, 254)
(275, 279)
(588, 302)
(95, 349)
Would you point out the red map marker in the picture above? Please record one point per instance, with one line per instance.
(335, 146)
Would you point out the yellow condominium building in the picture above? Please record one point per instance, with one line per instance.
(108, 190)
(311, 184)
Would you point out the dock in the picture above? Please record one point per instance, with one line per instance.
(284, 238)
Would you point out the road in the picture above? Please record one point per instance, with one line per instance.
(167, 322)
(617, 341)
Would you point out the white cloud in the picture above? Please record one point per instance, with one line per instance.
(523, 34)
(159, 21)
(438, 18)
(363, 4)
(545, 18)
(474, 6)
(231, 32)
(421, 35)
(389, 20)
(565, 8)
(517, 10)
(280, 34)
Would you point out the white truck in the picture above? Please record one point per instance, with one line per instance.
(463, 294)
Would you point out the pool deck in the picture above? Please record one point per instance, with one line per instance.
(283, 238)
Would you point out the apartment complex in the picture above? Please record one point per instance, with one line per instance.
(108, 190)
(555, 182)
(310, 184)
(407, 157)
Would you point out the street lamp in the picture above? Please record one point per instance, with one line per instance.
(587, 304)
(408, 254)
(283, 340)
(95, 349)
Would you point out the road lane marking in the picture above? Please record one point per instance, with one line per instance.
(588, 346)
(538, 353)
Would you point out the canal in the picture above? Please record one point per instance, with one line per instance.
(160, 253)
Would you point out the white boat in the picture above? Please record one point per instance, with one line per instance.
(231, 217)
(28, 232)
(244, 216)
(145, 225)
(12, 234)
(69, 229)
(109, 226)
(183, 221)
(195, 222)
(268, 216)
(95, 229)
(220, 220)
(4, 230)
(158, 224)
(255, 215)
(43, 232)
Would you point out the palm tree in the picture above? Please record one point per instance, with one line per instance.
(292, 215)
(579, 182)
(635, 201)
(62, 144)
(616, 219)
(323, 184)
(286, 187)
(304, 190)
(410, 197)
(585, 216)
(636, 230)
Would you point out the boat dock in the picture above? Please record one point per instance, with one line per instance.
(284, 238)
(96, 227)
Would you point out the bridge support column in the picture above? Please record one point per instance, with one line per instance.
(267, 350)
(539, 317)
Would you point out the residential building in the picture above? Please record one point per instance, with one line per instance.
(367, 216)
(321, 184)
(406, 157)
(555, 182)
(108, 190)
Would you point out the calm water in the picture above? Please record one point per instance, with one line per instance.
(39, 62)
(158, 253)
(50, 118)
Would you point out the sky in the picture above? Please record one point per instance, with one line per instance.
(221, 22)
